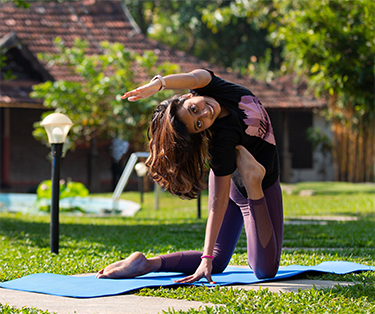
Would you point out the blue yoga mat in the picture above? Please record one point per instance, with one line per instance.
(91, 287)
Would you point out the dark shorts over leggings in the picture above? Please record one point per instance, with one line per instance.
(263, 259)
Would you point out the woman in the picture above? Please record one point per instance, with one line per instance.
(225, 123)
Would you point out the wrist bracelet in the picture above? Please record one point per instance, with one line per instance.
(207, 256)
(161, 79)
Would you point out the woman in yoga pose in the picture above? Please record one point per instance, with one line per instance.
(225, 124)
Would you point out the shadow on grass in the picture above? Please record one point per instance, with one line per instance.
(143, 237)
(341, 239)
(147, 236)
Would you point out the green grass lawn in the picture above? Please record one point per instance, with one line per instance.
(89, 243)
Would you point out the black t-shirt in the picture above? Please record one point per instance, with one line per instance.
(248, 125)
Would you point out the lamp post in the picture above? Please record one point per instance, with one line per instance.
(141, 170)
(57, 126)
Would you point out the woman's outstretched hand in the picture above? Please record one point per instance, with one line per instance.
(203, 271)
(142, 91)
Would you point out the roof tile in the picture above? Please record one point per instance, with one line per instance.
(99, 21)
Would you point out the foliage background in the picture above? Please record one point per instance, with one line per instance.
(330, 44)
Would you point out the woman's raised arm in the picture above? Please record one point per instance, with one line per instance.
(194, 79)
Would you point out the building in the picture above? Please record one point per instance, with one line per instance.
(26, 32)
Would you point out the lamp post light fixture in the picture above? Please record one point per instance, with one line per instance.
(141, 170)
(57, 126)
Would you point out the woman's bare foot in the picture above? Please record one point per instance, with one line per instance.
(135, 265)
(251, 171)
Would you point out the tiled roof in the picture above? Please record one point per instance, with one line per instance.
(18, 92)
(97, 21)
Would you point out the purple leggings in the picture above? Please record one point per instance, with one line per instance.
(263, 251)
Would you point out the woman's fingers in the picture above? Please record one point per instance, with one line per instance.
(130, 94)
(134, 98)
(209, 279)
(141, 92)
(193, 278)
(187, 279)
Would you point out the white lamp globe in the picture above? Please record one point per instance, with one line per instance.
(141, 169)
(57, 126)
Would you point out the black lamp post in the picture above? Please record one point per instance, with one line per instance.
(57, 126)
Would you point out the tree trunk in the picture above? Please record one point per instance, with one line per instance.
(93, 167)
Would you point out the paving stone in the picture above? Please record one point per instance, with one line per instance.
(119, 304)
(293, 285)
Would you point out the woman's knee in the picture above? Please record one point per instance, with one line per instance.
(266, 271)
(264, 274)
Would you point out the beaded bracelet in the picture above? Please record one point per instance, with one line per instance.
(208, 256)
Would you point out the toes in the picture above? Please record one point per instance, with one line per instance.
(100, 274)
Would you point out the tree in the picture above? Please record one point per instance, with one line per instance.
(94, 102)
(142, 11)
(18, 3)
(209, 30)
(332, 42)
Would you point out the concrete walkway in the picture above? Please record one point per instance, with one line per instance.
(119, 304)
(132, 304)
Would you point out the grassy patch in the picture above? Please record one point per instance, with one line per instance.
(89, 243)
(330, 198)
(336, 300)
(6, 309)
(331, 188)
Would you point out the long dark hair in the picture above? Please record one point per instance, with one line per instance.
(178, 159)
